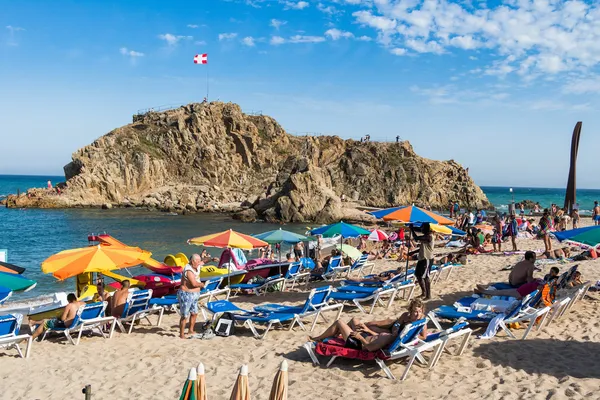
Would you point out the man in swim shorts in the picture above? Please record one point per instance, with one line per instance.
(188, 294)
(65, 320)
(596, 213)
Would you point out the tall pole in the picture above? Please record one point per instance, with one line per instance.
(571, 195)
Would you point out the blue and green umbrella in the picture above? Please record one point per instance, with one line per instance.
(281, 236)
(588, 236)
(16, 282)
(340, 228)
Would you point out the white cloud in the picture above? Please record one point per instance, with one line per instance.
(248, 41)
(306, 39)
(227, 36)
(330, 10)
(292, 5)
(276, 23)
(364, 38)
(451, 94)
(130, 53)
(277, 40)
(172, 40)
(11, 35)
(200, 42)
(398, 51)
(532, 38)
(193, 26)
(336, 34)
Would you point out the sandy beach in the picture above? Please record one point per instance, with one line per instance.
(557, 362)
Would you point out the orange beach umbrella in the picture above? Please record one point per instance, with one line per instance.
(99, 258)
(228, 239)
(241, 389)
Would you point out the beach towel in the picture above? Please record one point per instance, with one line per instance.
(492, 327)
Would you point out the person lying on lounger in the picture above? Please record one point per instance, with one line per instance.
(382, 277)
(522, 290)
(374, 335)
(66, 319)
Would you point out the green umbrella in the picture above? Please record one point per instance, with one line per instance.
(350, 251)
(190, 388)
(340, 228)
(16, 282)
(281, 236)
(587, 236)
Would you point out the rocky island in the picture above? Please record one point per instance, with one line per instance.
(213, 157)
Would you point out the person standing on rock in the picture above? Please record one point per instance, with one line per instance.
(425, 258)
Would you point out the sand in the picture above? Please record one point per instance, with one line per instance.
(558, 362)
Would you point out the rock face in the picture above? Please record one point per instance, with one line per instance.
(212, 157)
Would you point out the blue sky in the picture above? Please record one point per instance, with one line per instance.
(496, 86)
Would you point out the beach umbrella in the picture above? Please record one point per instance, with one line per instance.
(241, 389)
(228, 239)
(485, 228)
(190, 388)
(279, 390)
(456, 231)
(588, 236)
(340, 228)
(411, 214)
(350, 251)
(16, 283)
(281, 236)
(11, 268)
(5, 293)
(377, 236)
(201, 382)
(99, 258)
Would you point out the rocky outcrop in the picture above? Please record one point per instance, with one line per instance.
(213, 157)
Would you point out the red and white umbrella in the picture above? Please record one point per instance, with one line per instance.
(377, 235)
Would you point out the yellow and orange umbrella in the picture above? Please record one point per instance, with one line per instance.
(100, 258)
(411, 214)
(228, 239)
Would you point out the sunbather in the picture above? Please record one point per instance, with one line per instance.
(382, 277)
(522, 272)
(63, 321)
(322, 264)
(576, 281)
(374, 335)
(522, 290)
(119, 299)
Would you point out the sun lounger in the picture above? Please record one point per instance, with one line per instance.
(521, 311)
(317, 303)
(335, 269)
(89, 317)
(258, 288)
(137, 308)
(359, 265)
(295, 275)
(9, 334)
(358, 294)
(251, 318)
(406, 345)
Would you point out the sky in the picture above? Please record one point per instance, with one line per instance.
(496, 86)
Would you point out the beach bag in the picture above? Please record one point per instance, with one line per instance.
(225, 326)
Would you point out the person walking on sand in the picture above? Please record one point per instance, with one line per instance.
(425, 259)
(596, 214)
(497, 236)
(188, 294)
(545, 227)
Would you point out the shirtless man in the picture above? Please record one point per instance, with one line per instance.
(188, 294)
(596, 213)
(66, 319)
(522, 272)
(119, 299)
(374, 335)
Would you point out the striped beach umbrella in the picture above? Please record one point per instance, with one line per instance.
(411, 214)
(281, 236)
(279, 390)
(341, 228)
(190, 388)
(588, 236)
(377, 236)
(99, 258)
(241, 389)
(201, 382)
(228, 239)
(11, 268)
(16, 283)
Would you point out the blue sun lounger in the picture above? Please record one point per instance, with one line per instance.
(317, 303)
(251, 318)
(295, 275)
(137, 307)
(89, 317)
(258, 288)
(9, 334)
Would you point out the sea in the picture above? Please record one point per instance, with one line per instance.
(32, 235)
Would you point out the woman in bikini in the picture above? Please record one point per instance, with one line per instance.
(374, 335)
